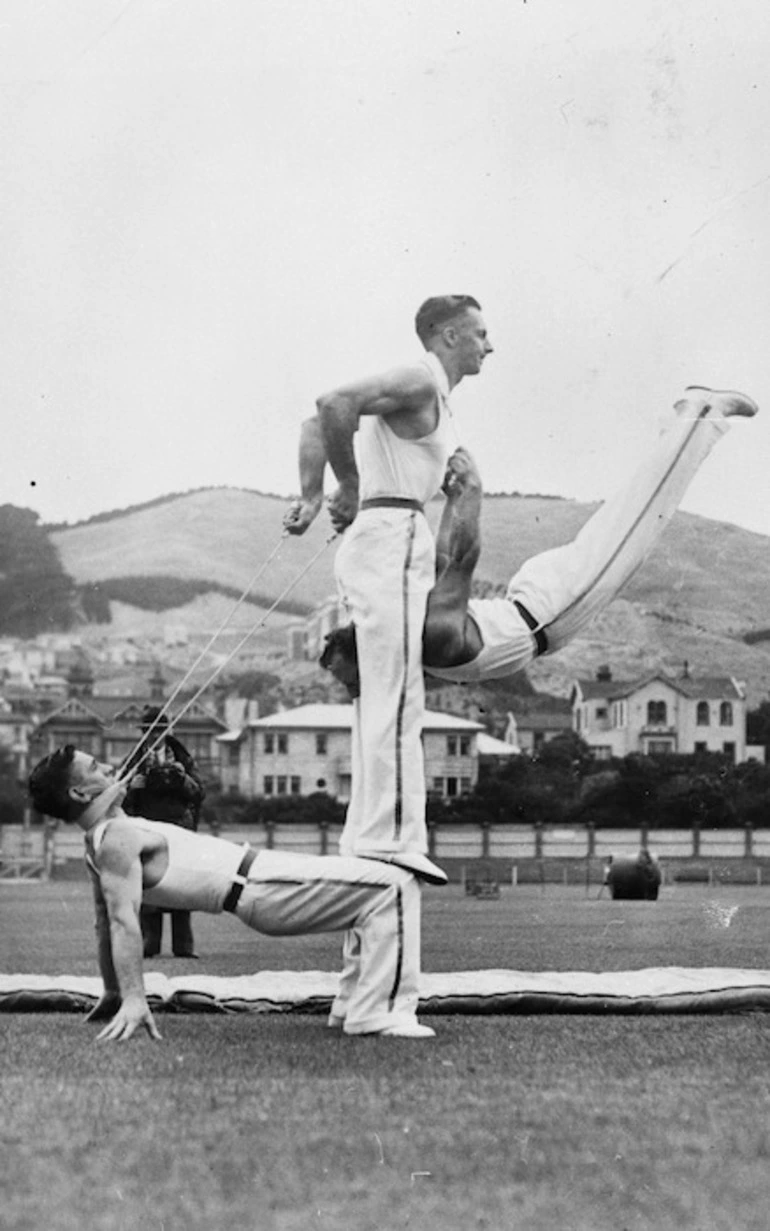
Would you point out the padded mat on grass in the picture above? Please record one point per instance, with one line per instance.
(667, 989)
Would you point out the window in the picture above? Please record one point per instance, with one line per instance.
(702, 715)
(451, 745)
(726, 714)
(267, 784)
(283, 743)
(269, 742)
(465, 786)
(601, 752)
(578, 719)
(320, 745)
(438, 786)
(296, 783)
(451, 787)
(601, 711)
(700, 747)
(280, 784)
(728, 749)
(465, 745)
(233, 754)
(656, 713)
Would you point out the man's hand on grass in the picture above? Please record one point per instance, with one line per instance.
(130, 1016)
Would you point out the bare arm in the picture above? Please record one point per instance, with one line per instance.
(450, 636)
(109, 1001)
(312, 464)
(405, 395)
(119, 869)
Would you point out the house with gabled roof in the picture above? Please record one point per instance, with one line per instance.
(109, 727)
(308, 749)
(660, 713)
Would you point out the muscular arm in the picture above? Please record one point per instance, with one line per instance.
(406, 396)
(103, 942)
(312, 465)
(451, 637)
(119, 935)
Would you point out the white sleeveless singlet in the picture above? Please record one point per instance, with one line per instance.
(201, 868)
(507, 644)
(390, 465)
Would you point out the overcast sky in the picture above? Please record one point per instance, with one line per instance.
(214, 210)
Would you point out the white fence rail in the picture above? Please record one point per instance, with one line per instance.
(510, 842)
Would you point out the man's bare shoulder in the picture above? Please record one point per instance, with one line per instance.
(123, 841)
(409, 387)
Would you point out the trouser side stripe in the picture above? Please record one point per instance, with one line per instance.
(399, 951)
(640, 517)
(398, 807)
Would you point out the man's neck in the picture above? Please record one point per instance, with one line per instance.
(102, 807)
(446, 359)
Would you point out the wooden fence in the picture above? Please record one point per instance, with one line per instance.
(450, 843)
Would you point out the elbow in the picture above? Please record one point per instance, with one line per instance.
(335, 408)
(326, 404)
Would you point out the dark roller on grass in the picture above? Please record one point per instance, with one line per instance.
(636, 877)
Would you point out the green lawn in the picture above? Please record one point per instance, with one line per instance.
(538, 1123)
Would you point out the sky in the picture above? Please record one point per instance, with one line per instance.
(215, 210)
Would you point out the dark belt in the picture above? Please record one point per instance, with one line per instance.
(391, 502)
(241, 876)
(541, 641)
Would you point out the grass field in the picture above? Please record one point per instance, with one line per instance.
(538, 1123)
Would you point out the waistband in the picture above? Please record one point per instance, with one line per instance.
(541, 641)
(241, 876)
(392, 502)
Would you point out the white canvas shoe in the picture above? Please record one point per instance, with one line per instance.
(408, 1030)
(728, 402)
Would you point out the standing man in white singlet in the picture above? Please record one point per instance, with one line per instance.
(132, 860)
(385, 566)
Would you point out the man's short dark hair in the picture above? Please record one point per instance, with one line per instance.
(49, 783)
(436, 312)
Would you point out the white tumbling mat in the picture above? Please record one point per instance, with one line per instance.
(666, 989)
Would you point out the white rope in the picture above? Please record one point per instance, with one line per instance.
(214, 637)
(207, 683)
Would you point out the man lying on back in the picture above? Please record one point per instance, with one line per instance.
(132, 860)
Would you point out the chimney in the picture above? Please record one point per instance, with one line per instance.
(603, 673)
(685, 670)
(157, 685)
(80, 680)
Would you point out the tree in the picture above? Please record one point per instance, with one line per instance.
(758, 725)
(35, 592)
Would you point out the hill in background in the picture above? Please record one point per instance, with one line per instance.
(702, 591)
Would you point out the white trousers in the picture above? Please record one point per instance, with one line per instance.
(564, 588)
(378, 907)
(385, 568)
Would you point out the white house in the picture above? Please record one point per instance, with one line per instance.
(536, 727)
(659, 714)
(303, 750)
